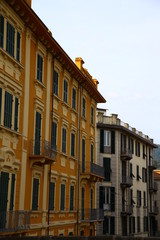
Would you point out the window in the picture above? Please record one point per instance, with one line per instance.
(74, 98)
(83, 107)
(16, 115)
(138, 176)
(35, 194)
(54, 136)
(72, 144)
(109, 225)
(71, 198)
(64, 134)
(145, 223)
(8, 110)
(138, 198)
(55, 82)
(131, 145)
(107, 169)
(92, 114)
(51, 195)
(91, 153)
(82, 202)
(65, 91)
(0, 104)
(144, 152)
(37, 134)
(131, 225)
(131, 170)
(39, 67)
(144, 199)
(83, 155)
(18, 47)
(12, 192)
(1, 30)
(10, 39)
(62, 202)
(123, 143)
(106, 138)
(144, 175)
(91, 198)
(137, 149)
(138, 224)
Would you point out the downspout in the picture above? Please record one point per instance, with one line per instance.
(50, 167)
(78, 165)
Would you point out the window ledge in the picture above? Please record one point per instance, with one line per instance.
(74, 111)
(40, 84)
(84, 118)
(65, 104)
(64, 154)
(14, 61)
(73, 158)
(13, 132)
(56, 97)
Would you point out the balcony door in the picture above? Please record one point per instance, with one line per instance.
(4, 180)
(37, 134)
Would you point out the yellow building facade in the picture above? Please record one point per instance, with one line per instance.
(48, 166)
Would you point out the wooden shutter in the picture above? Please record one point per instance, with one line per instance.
(18, 47)
(51, 195)
(1, 30)
(82, 203)
(71, 198)
(72, 144)
(101, 140)
(63, 140)
(54, 135)
(16, 115)
(101, 197)
(0, 103)
(83, 155)
(112, 199)
(8, 110)
(112, 225)
(62, 197)
(113, 142)
(107, 168)
(4, 179)
(35, 194)
(91, 153)
(37, 133)
(12, 192)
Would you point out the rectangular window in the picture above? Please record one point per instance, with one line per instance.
(72, 144)
(91, 153)
(138, 176)
(145, 223)
(37, 134)
(54, 136)
(62, 203)
(106, 138)
(12, 192)
(144, 199)
(10, 39)
(74, 98)
(107, 169)
(39, 67)
(1, 30)
(123, 143)
(51, 195)
(137, 149)
(91, 198)
(64, 138)
(83, 155)
(92, 115)
(4, 182)
(55, 82)
(65, 91)
(83, 107)
(82, 203)
(138, 198)
(8, 110)
(71, 198)
(18, 47)
(35, 194)
(16, 115)
(0, 104)
(144, 175)
(138, 224)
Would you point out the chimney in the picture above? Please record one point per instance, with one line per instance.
(79, 62)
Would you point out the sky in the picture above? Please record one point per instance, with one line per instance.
(119, 41)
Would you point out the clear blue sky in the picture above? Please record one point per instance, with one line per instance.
(119, 40)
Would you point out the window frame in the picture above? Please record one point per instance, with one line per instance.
(83, 107)
(65, 90)
(40, 67)
(55, 82)
(62, 198)
(92, 115)
(74, 94)
(64, 140)
(107, 138)
(73, 139)
(35, 194)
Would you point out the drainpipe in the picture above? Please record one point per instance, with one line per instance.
(50, 163)
(78, 166)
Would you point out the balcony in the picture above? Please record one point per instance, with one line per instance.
(126, 181)
(126, 154)
(92, 171)
(91, 215)
(127, 210)
(151, 166)
(14, 221)
(153, 187)
(42, 152)
(154, 211)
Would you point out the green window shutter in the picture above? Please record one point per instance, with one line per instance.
(82, 203)
(4, 179)
(73, 98)
(37, 133)
(65, 91)
(63, 140)
(55, 82)
(101, 140)
(8, 110)
(35, 194)
(62, 206)
(91, 153)
(113, 142)
(54, 135)
(92, 116)
(0, 103)
(83, 155)
(101, 197)
(10, 39)
(112, 199)
(39, 67)
(83, 107)
(1, 31)
(51, 195)
(16, 115)
(107, 168)
(72, 198)
(18, 47)
(12, 192)
(72, 144)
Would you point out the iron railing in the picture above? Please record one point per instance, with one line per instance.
(127, 209)
(126, 180)
(93, 214)
(126, 154)
(92, 168)
(14, 221)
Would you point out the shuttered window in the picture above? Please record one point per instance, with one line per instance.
(83, 107)
(64, 136)
(72, 144)
(92, 114)
(74, 98)
(62, 203)
(71, 198)
(55, 82)
(8, 110)
(83, 155)
(112, 199)
(16, 115)
(12, 192)
(39, 68)
(82, 203)
(51, 195)
(91, 153)
(10, 39)
(113, 142)
(4, 179)
(0, 103)
(107, 168)
(101, 140)
(1, 31)
(54, 135)
(37, 134)
(65, 91)
(112, 225)
(101, 197)
(91, 198)
(18, 47)
(35, 194)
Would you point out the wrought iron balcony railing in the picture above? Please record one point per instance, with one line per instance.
(154, 210)
(127, 209)
(14, 221)
(92, 169)
(126, 154)
(43, 149)
(153, 187)
(88, 215)
(126, 181)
